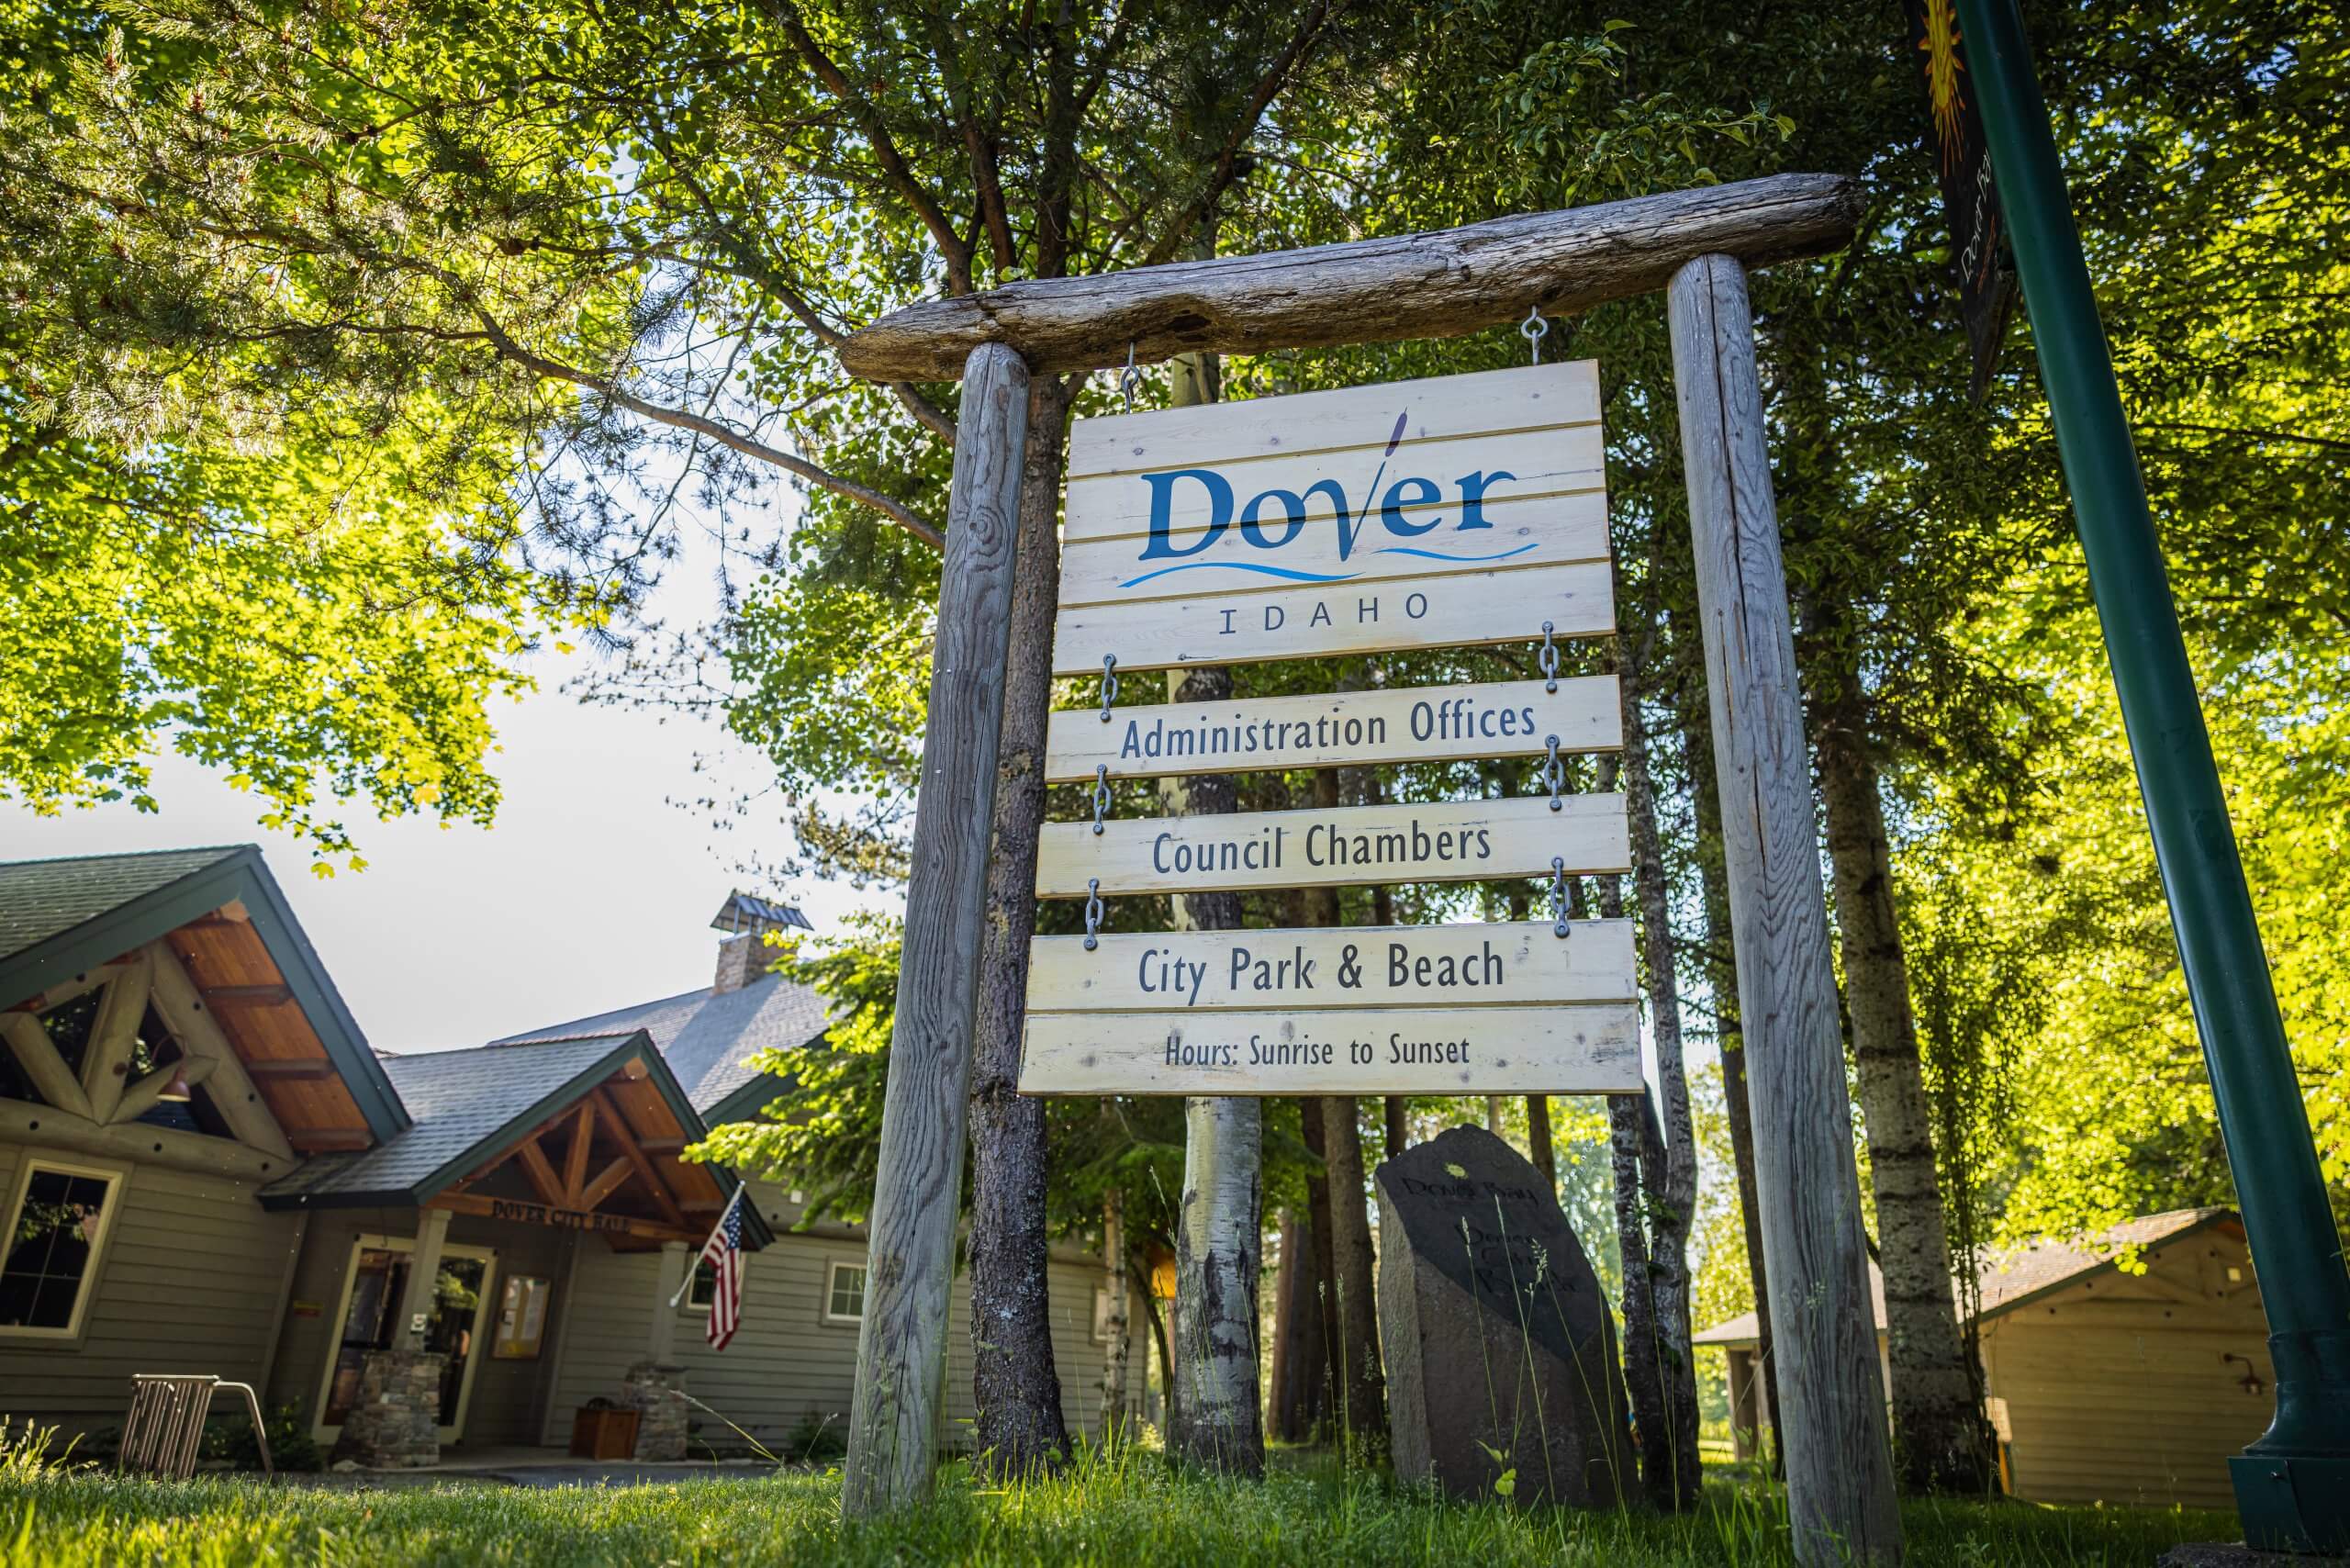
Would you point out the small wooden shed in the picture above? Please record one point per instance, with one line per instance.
(2125, 1368)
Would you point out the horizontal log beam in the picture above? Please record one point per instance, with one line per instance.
(1438, 285)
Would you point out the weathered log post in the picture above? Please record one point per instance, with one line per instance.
(1840, 1470)
(901, 1347)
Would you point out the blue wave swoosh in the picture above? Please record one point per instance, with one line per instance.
(1435, 556)
(1249, 566)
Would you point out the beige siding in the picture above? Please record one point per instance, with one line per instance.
(509, 1397)
(787, 1362)
(2118, 1389)
(189, 1282)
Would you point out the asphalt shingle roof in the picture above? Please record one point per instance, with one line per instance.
(708, 1037)
(2011, 1276)
(42, 899)
(458, 1099)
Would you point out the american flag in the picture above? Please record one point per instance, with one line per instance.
(723, 1253)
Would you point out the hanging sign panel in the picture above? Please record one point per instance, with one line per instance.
(1345, 729)
(1347, 845)
(1461, 511)
(1586, 1049)
(1524, 963)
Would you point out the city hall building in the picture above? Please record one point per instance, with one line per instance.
(204, 1168)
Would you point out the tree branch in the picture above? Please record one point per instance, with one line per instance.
(725, 435)
(885, 151)
(1187, 228)
(929, 413)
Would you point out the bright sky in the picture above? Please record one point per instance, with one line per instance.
(592, 890)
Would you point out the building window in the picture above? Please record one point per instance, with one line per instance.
(57, 1226)
(704, 1288)
(845, 1294)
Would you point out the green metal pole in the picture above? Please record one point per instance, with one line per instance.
(2293, 1484)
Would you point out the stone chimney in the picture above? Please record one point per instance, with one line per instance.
(741, 960)
(745, 956)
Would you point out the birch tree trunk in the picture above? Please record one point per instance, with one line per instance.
(1721, 979)
(1669, 1468)
(1938, 1438)
(1217, 1421)
(1116, 1354)
(1016, 1386)
(1628, 1125)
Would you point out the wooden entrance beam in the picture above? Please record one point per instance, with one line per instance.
(626, 1135)
(574, 1162)
(1414, 285)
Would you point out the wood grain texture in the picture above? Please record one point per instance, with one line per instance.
(1318, 621)
(1414, 285)
(1521, 964)
(1454, 841)
(1343, 729)
(1585, 1048)
(1434, 407)
(1840, 1477)
(894, 1434)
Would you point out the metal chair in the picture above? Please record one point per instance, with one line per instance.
(165, 1427)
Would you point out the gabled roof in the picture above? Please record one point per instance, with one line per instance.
(463, 1102)
(62, 917)
(471, 1106)
(2009, 1280)
(707, 1038)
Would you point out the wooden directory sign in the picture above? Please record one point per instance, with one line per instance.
(1449, 842)
(1524, 963)
(1345, 729)
(1365, 1010)
(1441, 513)
(1585, 1048)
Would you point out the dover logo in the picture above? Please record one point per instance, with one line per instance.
(1282, 517)
(1275, 518)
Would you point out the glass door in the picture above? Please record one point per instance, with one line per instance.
(453, 1325)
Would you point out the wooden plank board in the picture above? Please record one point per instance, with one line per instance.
(1588, 1049)
(1404, 286)
(1518, 964)
(1446, 842)
(1441, 407)
(1446, 479)
(1422, 539)
(1316, 620)
(1342, 729)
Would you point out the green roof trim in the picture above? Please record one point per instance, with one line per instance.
(235, 874)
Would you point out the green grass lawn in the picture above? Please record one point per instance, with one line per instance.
(1134, 1512)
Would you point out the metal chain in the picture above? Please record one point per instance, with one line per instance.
(1109, 684)
(1534, 329)
(1129, 378)
(1101, 793)
(1093, 914)
(1549, 660)
(1554, 772)
(1558, 895)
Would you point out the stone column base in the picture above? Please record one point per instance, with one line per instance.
(396, 1424)
(656, 1390)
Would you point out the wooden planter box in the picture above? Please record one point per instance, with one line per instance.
(604, 1434)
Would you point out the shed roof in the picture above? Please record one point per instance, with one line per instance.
(708, 1037)
(2011, 1278)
